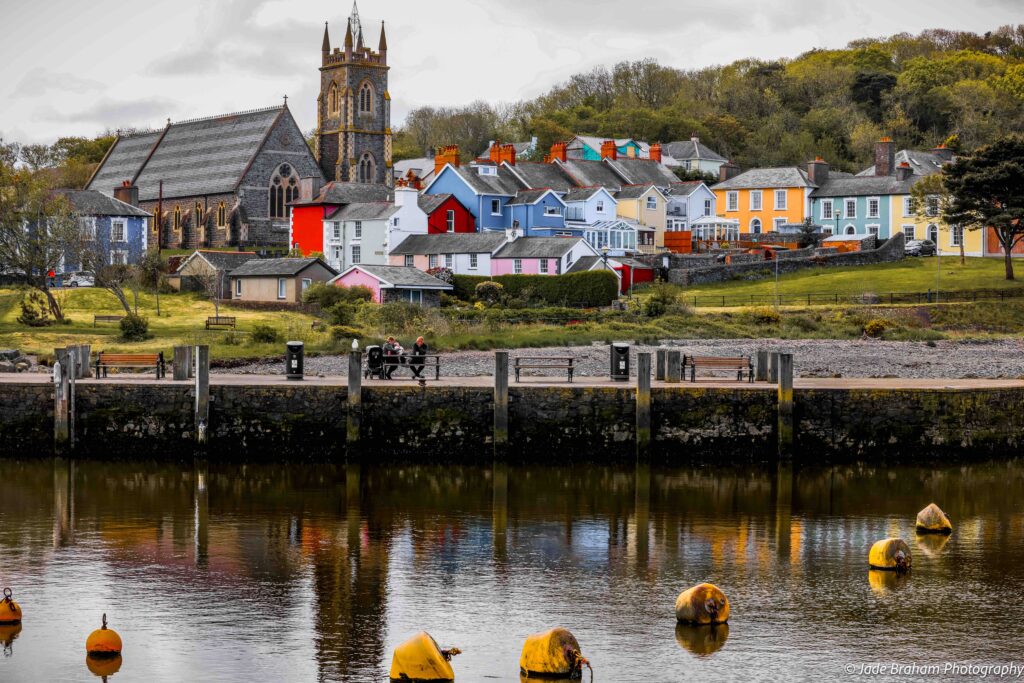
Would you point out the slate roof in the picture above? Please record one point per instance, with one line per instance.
(923, 163)
(583, 264)
(684, 189)
(123, 162)
(423, 166)
(538, 247)
(503, 183)
(277, 267)
(95, 203)
(451, 243)
(860, 186)
(530, 196)
(786, 176)
(349, 193)
(590, 173)
(691, 149)
(364, 211)
(595, 143)
(222, 260)
(428, 203)
(637, 171)
(634, 191)
(403, 276)
(580, 194)
(537, 175)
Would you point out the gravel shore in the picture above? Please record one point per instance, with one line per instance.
(811, 358)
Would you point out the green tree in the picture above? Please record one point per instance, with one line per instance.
(932, 200)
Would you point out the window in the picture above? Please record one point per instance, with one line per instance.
(544, 266)
(414, 296)
(778, 223)
(487, 169)
(495, 207)
(707, 207)
(395, 222)
(851, 208)
(732, 201)
(88, 228)
(333, 104)
(956, 236)
(908, 206)
(826, 209)
(117, 231)
(357, 231)
(336, 230)
(780, 200)
(306, 283)
(850, 230)
(873, 230)
(338, 252)
(873, 205)
(238, 287)
(284, 188)
(552, 211)
(825, 230)
(910, 232)
(473, 261)
(933, 233)
(755, 200)
(365, 98)
(367, 169)
(199, 213)
(357, 254)
(118, 258)
(177, 218)
(652, 202)
(450, 220)
(410, 260)
(449, 260)
(600, 206)
(282, 287)
(432, 261)
(932, 206)
(517, 266)
(222, 215)
(755, 226)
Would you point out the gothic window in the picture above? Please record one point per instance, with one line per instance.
(284, 188)
(367, 170)
(177, 218)
(222, 215)
(365, 98)
(199, 214)
(332, 99)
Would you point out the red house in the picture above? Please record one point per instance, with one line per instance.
(445, 213)
(307, 228)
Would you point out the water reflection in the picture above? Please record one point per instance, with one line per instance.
(315, 572)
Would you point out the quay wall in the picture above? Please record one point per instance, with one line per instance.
(563, 423)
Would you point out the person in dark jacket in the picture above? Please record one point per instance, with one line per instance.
(419, 352)
(392, 356)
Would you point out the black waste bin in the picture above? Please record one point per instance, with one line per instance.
(620, 362)
(294, 359)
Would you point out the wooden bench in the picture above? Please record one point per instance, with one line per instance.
(567, 363)
(105, 360)
(737, 364)
(430, 360)
(106, 319)
(220, 322)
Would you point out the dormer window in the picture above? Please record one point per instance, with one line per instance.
(600, 206)
(487, 170)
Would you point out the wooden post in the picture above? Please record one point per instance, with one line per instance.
(61, 400)
(182, 364)
(642, 503)
(674, 366)
(500, 401)
(773, 367)
(201, 494)
(643, 406)
(660, 361)
(785, 427)
(355, 397)
(761, 371)
(202, 415)
(82, 357)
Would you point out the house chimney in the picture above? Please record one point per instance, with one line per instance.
(413, 180)
(885, 157)
(127, 193)
(404, 194)
(508, 153)
(694, 139)
(494, 152)
(727, 170)
(655, 153)
(449, 154)
(943, 152)
(512, 234)
(817, 171)
(558, 151)
(609, 150)
(903, 171)
(309, 187)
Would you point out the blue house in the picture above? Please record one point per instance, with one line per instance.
(114, 230)
(540, 213)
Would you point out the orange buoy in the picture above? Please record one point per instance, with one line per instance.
(553, 654)
(705, 603)
(420, 659)
(103, 666)
(103, 642)
(891, 554)
(10, 611)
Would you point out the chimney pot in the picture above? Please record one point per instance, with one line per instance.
(727, 171)
(127, 193)
(558, 151)
(609, 150)
(655, 152)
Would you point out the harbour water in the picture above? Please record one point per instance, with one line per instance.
(234, 572)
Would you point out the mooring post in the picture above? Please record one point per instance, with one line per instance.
(785, 428)
(63, 501)
(659, 373)
(182, 364)
(61, 400)
(202, 416)
(355, 397)
(643, 406)
(773, 367)
(500, 401)
(674, 366)
(761, 371)
(642, 503)
(82, 357)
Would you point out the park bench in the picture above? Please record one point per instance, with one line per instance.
(430, 360)
(106, 319)
(105, 360)
(220, 322)
(737, 364)
(566, 363)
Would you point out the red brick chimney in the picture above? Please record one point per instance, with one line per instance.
(494, 153)
(558, 151)
(655, 153)
(885, 157)
(817, 171)
(904, 171)
(943, 152)
(727, 170)
(609, 150)
(127, 193)
(508, 153)
(449, 154)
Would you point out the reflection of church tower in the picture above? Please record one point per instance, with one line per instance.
(354, 108)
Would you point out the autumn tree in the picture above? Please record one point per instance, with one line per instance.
(932, 201)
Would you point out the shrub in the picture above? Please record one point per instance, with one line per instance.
(655, 308)
(134, 327)
(489, 292)
(265, 334)
(765, 315)
(662, 298)
(588, 289)
(443, 274)
(35, 311)
(330, 295)
(341, 313)
(875, 327)
(341, 333)
(396, 317)
(231, 339)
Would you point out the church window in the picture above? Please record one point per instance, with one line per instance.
(284, 189)
(177, 218)
(199, 213)
(367, 170)
(333, 105)
(366, 99)
(222, 215)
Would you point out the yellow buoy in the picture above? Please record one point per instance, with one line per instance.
(702, 604)
(10, 611)
(103, 666)
(552, 654)
(702, 640)
(103, 642)
(932, 545)
(891, 554)
(420, 659)
(932, 520)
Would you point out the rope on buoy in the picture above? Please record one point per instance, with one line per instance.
(449, 653)
(578, 661)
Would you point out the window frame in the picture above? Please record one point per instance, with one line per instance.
(410, 261)
(495, 203)
(552, 211)
(707, 207)
(449, 261)
(652, 203)
(474, 261)
(956, 235)
(87, 226)
(238, 286)
(543, 266)
(831, 210)
(356, 253)
(784, 206)
(282, 288)
(846, 207)
(878, 207)
(449, 220)
(432, 261)
(760, 226)
(357, 230)
(517, 266)
(121, 223)
(760, 200)
(909, 232)
(732, 201)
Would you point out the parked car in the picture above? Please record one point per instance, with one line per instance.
(78, 279)
(920, 248)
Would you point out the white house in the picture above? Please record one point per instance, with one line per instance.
(692, 155)
(688, 202)
(365, 232)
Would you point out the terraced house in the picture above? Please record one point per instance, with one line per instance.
(764, 199)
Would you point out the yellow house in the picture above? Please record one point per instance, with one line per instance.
(763, 199)
(647, 205)
(947, 240)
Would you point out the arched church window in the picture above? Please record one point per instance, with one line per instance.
(222, 215)
(366, 98)
(177, 218)
(284, 188)
(367, 169)
(332, 99)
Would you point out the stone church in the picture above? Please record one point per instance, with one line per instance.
(229, 180)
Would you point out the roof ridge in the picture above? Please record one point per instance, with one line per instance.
(224, 116)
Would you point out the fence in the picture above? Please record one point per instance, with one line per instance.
(863, 299)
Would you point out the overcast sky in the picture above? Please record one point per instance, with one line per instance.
(77, 67)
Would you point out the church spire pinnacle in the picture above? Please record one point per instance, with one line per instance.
(348, 37)
(357, 26)
(327, 40)
(383, 39)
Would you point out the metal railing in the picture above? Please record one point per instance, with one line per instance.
(862, 299)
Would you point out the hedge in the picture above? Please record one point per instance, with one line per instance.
(590, 288)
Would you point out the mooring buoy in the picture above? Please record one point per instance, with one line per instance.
(10, 611)
(705, 603)
(419, 659)
(932, 520)
(103, 642)
(892, 554)
(553, 654)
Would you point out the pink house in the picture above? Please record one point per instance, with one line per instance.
(395, 284)
(546, 256)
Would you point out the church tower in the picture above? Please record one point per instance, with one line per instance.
(354, 108)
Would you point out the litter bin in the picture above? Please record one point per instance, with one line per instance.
(294, 358)
(620, 362)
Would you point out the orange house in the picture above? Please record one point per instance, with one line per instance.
(763, 199)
